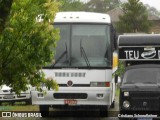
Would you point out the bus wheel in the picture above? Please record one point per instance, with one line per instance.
(44, 110)
(104, 112)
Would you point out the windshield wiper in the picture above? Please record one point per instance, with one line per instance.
(61, 56)
(83, 53)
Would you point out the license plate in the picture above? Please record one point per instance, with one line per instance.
(70, 102)
(8, 97)
(144, 118)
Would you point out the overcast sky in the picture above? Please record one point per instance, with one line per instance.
(152, 3)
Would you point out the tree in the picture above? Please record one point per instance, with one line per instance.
(135, 18)
(152, 10)
(101, 6)
(26, 43)
(5, 6)
(71, 5)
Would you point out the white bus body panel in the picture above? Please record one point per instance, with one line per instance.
(90, 76)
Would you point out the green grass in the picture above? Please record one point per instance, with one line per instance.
(117, 91)
(25, 108)
(18, 106)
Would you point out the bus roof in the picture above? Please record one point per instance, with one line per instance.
(82, 17)
(139, 40)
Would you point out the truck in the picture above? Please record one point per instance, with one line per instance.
(140, 84)
(84, 63)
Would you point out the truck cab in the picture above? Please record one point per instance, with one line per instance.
(140, 84)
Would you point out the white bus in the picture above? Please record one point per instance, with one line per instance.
(83, 65)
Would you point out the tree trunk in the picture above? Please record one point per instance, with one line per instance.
(5, 7)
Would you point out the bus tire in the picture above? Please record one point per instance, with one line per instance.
(104, 112)
(44, 110)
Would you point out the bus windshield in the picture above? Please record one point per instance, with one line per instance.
(83, 45)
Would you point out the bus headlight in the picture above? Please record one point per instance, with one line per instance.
(126, 104)
(126, 94)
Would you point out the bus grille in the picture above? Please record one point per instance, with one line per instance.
(70, 95)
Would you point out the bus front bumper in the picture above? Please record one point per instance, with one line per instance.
(79, 96)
